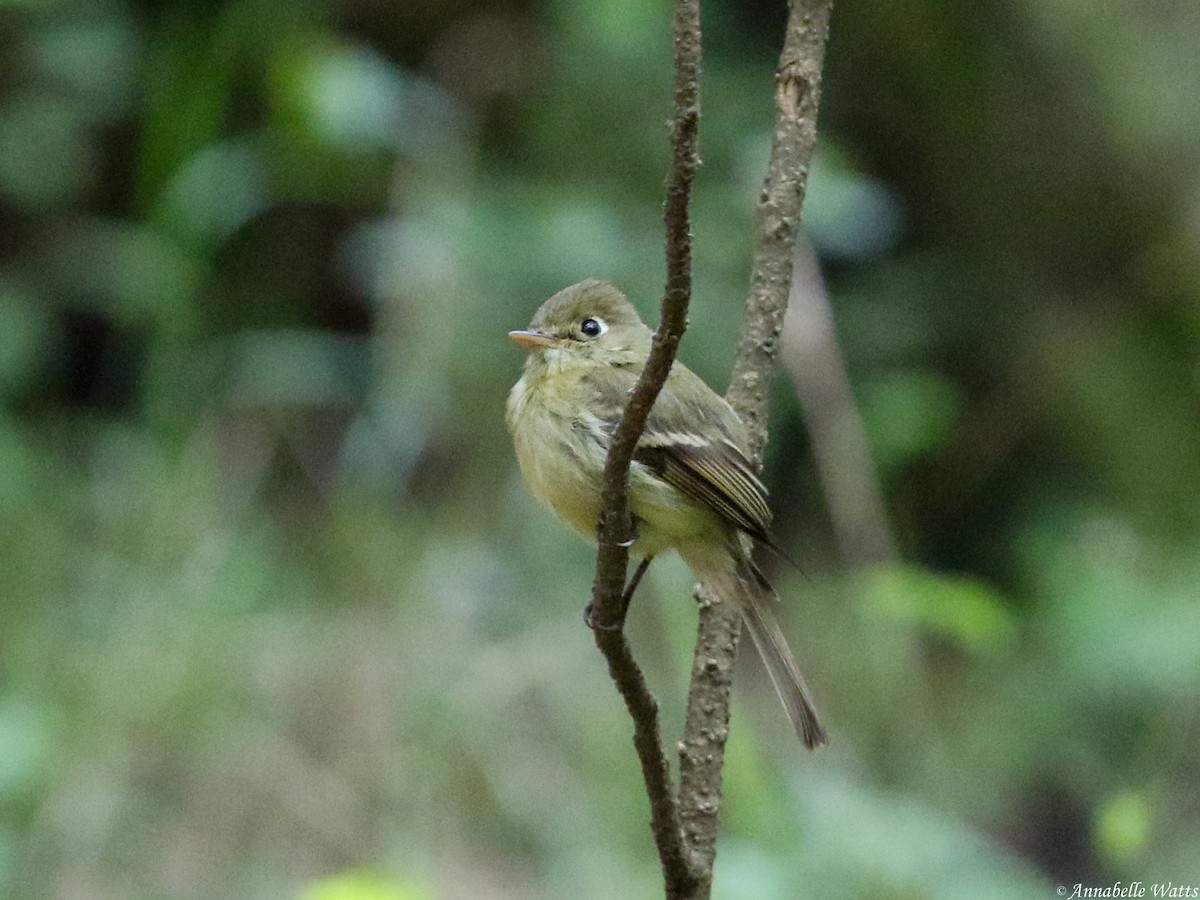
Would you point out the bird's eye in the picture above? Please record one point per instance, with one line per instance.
(591, 327)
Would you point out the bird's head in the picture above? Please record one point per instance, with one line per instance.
(586, 323)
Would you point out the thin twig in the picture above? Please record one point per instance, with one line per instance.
(797, 92)
(615, 526)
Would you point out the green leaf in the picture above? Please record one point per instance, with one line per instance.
(363, 886)
(957, 607)
(1122, 826)
(908, 415)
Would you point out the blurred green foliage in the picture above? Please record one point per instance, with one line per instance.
(277, 618)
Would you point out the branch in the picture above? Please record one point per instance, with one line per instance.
(615, 527)
(846, 470)
(797, 92)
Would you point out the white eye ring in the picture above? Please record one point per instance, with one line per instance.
(592, 327)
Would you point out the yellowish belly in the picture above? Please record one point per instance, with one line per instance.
(562, 461)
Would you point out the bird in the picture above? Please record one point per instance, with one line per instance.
(692, 487)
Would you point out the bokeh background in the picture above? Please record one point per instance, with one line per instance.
(277, 618)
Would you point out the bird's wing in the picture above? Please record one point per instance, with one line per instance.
(698, 453)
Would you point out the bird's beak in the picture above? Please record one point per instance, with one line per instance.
(534, 340)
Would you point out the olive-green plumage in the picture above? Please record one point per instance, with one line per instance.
(692, 488)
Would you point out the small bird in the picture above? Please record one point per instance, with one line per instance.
(691, 487)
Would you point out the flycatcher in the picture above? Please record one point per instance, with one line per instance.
(691, 487)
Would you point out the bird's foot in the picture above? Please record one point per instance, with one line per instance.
(590, 621)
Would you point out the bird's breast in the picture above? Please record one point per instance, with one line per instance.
(561, 450)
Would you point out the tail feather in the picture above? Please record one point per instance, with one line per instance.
(735, 575)
(781, 666)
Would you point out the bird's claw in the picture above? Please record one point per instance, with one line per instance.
(590, 621)
(633, 534)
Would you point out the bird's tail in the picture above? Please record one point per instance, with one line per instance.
(781, 666)
(755, 597)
